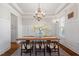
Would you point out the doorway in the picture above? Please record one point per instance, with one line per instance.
(13, 27)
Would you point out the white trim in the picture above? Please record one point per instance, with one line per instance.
(2, 52)
(61, 8)
(16, 7)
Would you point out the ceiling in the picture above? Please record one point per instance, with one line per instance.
(30, 8)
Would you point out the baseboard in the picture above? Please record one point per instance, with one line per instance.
(14, 47)
(69, 51)
(2, 52)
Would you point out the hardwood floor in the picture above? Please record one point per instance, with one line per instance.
(15, 46)
(68, 50)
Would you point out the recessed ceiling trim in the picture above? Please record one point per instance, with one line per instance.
(16, 7)
(61, 8)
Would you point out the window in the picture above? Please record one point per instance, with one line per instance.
(61, 26)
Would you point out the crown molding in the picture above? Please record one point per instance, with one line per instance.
(31, 14)
(58, 10)
(16, 7)
(61, 8)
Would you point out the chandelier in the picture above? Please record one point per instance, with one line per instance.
(39, 14)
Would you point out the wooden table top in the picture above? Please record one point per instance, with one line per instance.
(37, 38)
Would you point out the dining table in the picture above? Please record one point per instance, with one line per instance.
(38, 38)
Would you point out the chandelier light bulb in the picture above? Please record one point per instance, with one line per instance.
(39, 14)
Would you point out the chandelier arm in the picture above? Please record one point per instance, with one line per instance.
(39, 13)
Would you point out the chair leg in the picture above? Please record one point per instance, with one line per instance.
(21, 52)
(30, 49)
(30, 52)
(49, 50)
(44, 49)
(35, 50)
(21, 49)
(58, 51)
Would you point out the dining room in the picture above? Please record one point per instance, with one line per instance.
(39, 29)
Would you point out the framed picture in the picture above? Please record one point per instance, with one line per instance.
(71, 12)
(71, 15)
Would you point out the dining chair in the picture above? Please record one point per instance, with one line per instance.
(53, 46)
(43, 46)
(26, 47)
(39, 47)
